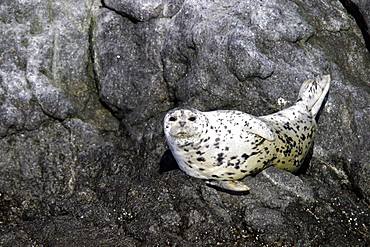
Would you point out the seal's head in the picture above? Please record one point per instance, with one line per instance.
(184, 125)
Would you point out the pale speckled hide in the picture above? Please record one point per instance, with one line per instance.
(228, 145)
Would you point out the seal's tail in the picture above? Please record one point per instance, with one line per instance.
(312, 93)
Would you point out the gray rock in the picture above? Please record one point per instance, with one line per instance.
(138, 10)
(144, 10)
(84, 87)
(287, 181)
(360, 10)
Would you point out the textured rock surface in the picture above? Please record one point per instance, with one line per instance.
(84, 87)
(360, 10)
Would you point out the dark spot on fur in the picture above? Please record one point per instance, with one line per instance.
(245, 156)
(201, 159)
(207, 139)
(255, 170)
(258, 144)
(215, 176)
(287, 126)
(220, 158)
(267, 163)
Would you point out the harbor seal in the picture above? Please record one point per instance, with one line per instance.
(224, 146)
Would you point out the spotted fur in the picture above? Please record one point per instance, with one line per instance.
(225, 146)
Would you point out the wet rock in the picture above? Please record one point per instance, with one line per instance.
(84, 87)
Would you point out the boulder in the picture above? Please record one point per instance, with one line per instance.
(84, 87)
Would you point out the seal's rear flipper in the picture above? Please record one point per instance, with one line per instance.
(235, 186)
(312, 93)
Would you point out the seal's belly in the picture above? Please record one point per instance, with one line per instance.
(230, 154)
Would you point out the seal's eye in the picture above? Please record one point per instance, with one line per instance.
(172, 119)
(192, 119)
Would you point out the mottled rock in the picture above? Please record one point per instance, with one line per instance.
(289, 182)
(360, 10)
(84, 87)
(144, 10)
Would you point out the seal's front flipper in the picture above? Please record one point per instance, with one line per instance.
(236, 186)
(254, 125)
